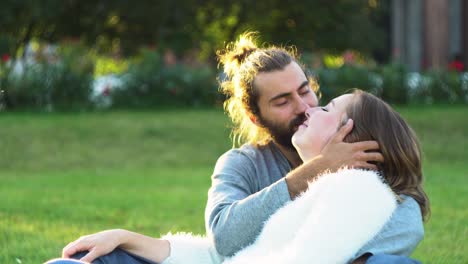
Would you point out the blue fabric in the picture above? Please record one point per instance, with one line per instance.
(64, 261)
(117, 256)
(390, 259)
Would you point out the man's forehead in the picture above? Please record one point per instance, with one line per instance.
(276, 82)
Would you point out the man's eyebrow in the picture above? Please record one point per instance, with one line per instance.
(305, 83)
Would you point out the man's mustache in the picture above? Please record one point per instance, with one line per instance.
(296, 122)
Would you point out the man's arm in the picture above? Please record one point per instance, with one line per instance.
(401, 234)
(235, 212)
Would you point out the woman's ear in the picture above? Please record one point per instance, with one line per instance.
(344, 120)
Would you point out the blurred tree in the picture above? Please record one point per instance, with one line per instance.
(124, 26)
(308, 24)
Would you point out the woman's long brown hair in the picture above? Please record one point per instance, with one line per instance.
(376, 120)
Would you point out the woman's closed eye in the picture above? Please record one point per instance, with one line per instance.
(324, 109)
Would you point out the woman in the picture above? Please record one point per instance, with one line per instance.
(332, 220)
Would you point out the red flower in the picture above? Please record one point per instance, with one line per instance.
(456, 66)
(5, 58)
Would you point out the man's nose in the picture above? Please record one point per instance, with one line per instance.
(301, 106)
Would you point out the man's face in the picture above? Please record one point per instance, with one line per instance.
(284, 96)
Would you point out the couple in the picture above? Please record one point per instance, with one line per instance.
(269, 203)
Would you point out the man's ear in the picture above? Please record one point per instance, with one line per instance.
(254, 119)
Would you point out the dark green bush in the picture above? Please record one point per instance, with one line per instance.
(395, 84)
(334, 82)
(65, 83)
(445, 87)
(59, 83)
(149, 84)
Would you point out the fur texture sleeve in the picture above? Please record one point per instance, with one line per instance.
(188, 248)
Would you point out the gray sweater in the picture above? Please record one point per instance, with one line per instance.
(248, 186)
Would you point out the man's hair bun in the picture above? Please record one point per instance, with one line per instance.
(236, 53)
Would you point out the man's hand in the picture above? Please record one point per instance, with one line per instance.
(336, 154)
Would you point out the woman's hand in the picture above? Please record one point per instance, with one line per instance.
(98, 244)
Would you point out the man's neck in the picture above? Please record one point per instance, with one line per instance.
(290, 154)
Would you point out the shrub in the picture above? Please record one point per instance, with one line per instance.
(334, 82)
(149, 84)
(445, 87)
(395, 84)
(55, 83)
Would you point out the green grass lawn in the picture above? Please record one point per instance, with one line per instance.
(66, 175)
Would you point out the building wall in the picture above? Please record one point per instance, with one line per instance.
(429, 33)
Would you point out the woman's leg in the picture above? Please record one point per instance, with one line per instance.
(390, 259)
(118, 256)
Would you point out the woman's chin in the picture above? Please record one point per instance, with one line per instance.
(305, 154)
(298, 143)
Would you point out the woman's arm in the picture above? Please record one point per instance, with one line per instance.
(147, 247)
(104, 242)
(171, 249)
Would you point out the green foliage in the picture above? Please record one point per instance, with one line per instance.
(203, 25)
(334, 82)
(445, 87)
(149, 84)
(6, 46)
(395, 84)
(106, 65)
(61, 82)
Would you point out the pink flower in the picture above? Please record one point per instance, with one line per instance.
(106, 91)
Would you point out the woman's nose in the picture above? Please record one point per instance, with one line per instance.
(311, 110)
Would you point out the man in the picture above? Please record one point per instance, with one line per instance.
(268, 94)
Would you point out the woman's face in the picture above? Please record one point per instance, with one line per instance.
(321, 124)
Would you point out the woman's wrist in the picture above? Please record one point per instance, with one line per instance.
(151, 248)
(123, 237)
(165, 250)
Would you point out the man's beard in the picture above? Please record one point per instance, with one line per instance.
(282, 135)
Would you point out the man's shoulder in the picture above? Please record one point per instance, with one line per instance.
(408, 215)
(249, 151)
(247, 157)
(409, 206)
